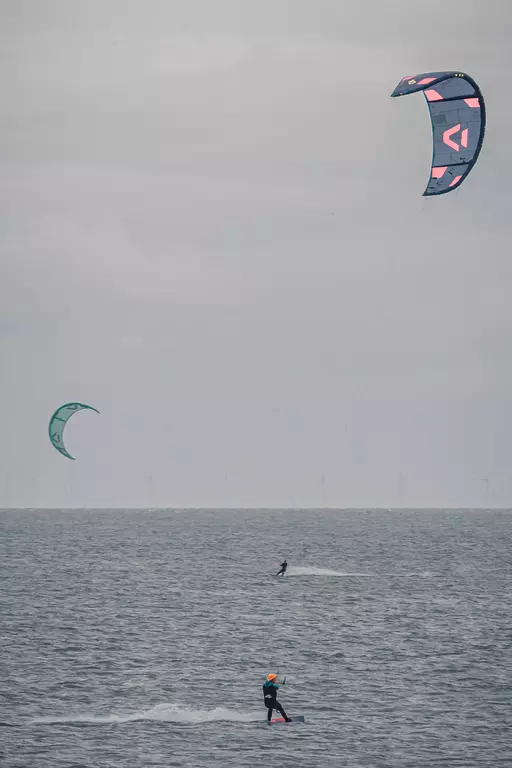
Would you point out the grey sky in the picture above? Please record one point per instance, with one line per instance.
(213, 231)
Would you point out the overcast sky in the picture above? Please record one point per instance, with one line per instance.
(213, 231)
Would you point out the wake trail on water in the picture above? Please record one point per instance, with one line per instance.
(295, 570)
(165, 713)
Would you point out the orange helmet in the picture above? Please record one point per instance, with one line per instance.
(271, 676)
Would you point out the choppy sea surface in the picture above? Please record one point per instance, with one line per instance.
(142, 638)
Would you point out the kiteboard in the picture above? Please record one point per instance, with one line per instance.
(293, 718)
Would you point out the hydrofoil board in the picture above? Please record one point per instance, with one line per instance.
(293, 718)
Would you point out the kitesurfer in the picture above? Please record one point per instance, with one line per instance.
(283, 566)
(270, 688)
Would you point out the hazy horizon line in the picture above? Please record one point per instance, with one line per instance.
(257, 509)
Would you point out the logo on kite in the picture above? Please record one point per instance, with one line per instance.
(457, 112)
(58, 422)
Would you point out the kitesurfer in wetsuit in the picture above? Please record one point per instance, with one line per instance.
(270, 688)
(284, 566)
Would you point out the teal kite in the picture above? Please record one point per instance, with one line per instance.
(59, 420)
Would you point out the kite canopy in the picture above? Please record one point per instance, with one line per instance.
(457, 111)
(59, 420)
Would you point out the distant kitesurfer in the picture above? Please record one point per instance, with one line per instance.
(284, 566)
(270, 688)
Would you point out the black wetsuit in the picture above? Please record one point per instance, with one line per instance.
(271, 702)
(284, 566)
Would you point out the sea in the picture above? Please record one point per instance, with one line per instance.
(142, 638)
